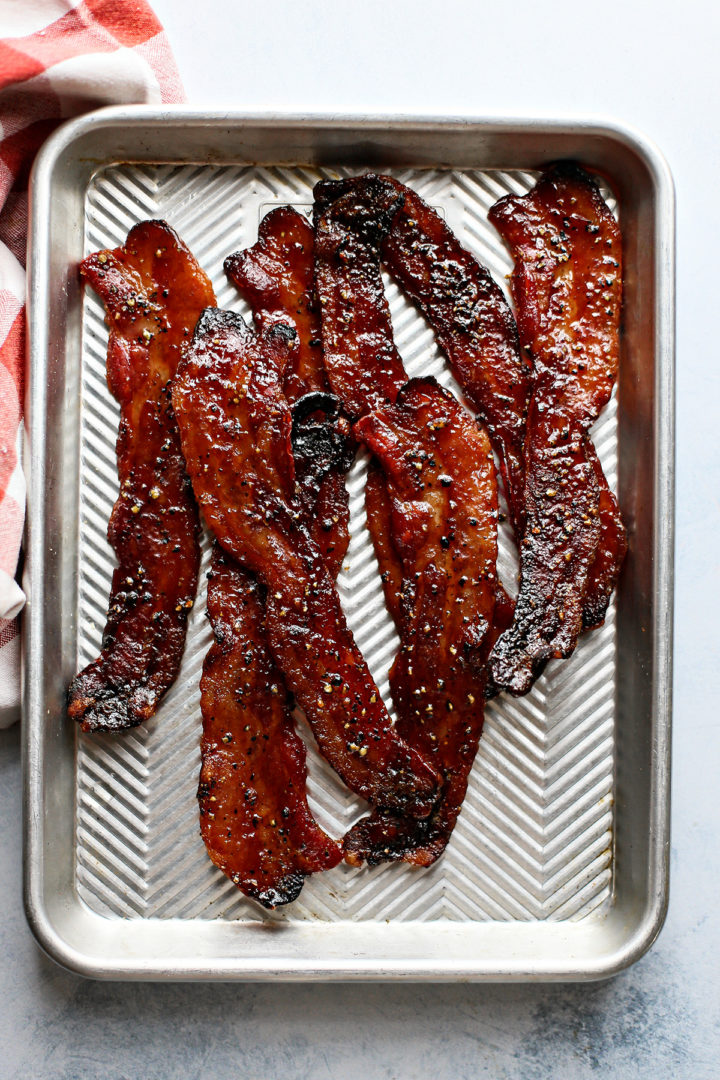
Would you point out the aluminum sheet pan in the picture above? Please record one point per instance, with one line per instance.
(558, 865)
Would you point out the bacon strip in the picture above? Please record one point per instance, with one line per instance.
(351, 219)
(153, 291)
(438, 510)
(276, 278)
(612, 548)
(254, 815)
(567, 291)
(323, 450)
(235, 427)
(255, 818)
(473, 326)
(378, 507)
(432, 508)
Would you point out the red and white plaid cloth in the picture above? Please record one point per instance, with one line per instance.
(58, 58)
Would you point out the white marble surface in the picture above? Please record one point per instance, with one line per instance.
(651, 66)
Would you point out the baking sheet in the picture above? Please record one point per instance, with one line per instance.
(534, 839)
(535, 843)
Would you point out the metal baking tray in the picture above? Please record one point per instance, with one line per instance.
(558, 868)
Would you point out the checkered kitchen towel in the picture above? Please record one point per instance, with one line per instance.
(58, 58)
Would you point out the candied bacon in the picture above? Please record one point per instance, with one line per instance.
(567, 286)
(275, 276)
(612, 548)
(557, 554)
(254, 815)
(351, 219)
(437, 518)
(476, 330)
(442, 605)
(255, 819)
(235, 426)
(379, 520)
(378, 507)
(473, 325)
(153, 291)
(323, 451)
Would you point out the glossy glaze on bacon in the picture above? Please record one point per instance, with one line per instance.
(378, 507)
(473, 326)
(276, 278)
(567, 291)
(612, 548)
(438, 511)
(255, 819)
(379, 520)
(254, 815)
(351, 219)
(153, 291)
(235, 427)
(418, 541)
(323, 451)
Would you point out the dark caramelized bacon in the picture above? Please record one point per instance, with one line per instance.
(260, 768)
(276, 278)
(153, 291)
(612, 548)
(441, 602)
(557, 554)
(254, 816)
(566, 285)
(235, 427)
(378, 507)
(435, 522)
(473, 325)
(352, 217)
(323, 451)
(567, 291)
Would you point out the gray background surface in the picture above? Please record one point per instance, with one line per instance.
(649, 66)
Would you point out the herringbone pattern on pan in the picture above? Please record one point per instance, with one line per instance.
(534, 840)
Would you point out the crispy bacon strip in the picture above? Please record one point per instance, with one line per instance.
(351, 219)
(235, 427)
(379, 519)
(255, 819)
(473, 326)
(323, 451)
(612, 548)
(476, 330)
(276, 278)
(254, 815)
(153, 291)
(416, 522)
(378, 506)
(567, 291)
(439, 513)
